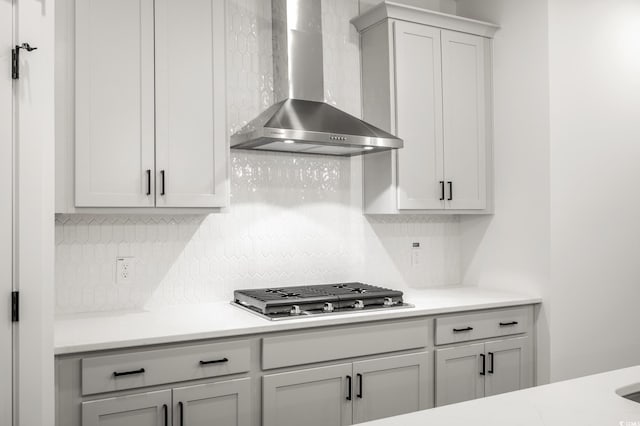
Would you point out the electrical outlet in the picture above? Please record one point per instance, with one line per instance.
(415, 254)
(124, 270)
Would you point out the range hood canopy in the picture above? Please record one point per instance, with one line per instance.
(303, 122)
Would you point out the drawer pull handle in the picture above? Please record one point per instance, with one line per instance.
(348, 388)
(460, 330)
(482, 372)
(214, 361)
(490, 363)
(505, 324)
(181, 407)
(166, 414)
(359, 395)
(128, 373)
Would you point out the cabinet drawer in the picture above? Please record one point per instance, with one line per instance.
(461, 328)
(138, 369)
(319, 346)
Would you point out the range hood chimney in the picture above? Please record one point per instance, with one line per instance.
(303, 122)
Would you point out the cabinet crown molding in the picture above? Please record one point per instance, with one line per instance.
(402, 12)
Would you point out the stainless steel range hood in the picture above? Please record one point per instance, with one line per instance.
(303, 122)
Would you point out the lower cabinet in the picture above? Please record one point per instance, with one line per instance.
(145, 409)
(483, 369)
(349, 393)
(221, 404)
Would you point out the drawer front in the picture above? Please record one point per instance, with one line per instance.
(138, 369)
(320, 346)
(465, 327)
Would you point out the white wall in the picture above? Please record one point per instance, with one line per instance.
(293, 219)
(510, 250)
(445, 6)
(595, 176)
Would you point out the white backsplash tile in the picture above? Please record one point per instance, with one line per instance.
(293, 219)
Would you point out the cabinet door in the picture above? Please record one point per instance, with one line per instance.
(418, 84)
(464, 103)
(458, 374)
(191, 145)
(509, 365)
(114, 103)
(391, 386)
(314, 397)
(221, 404)
(147, 409)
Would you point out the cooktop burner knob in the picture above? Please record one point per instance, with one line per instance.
(388, 301)
(359, 304)
(328, 307)
(295, 310)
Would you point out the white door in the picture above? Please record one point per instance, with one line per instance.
(146, 409)
(464, 110)
(191, 142)
(114, 137)
(418, 83)
(391, 386)
(509, 366)
(6, 207)
(220, 404)
(313, 397)
(460, 373)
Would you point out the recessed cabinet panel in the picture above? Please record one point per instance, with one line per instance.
(313, 397)
(114, 139)
(418, 80)
(219, 404)
(147, 409)
(509, 365)
(190, 103)
(458, 374)
(391, 386)
(464, 120)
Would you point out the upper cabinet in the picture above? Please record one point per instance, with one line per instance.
(426, 77)
(140, 113)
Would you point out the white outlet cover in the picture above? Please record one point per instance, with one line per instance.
(125, 270)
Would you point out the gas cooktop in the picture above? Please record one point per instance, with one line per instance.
(324, 299)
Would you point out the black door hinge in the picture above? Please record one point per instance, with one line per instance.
(15, 306)
(15, 59)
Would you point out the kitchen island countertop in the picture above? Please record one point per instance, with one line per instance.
(102, 331)
(586, 401)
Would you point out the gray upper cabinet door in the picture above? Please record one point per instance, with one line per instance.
(220, 404)
(313, 397)
(391, 386)
(147, 409)
(191, 142)
(114, 149)
(458, 374)
(509, 365)
(418, 82)
(465, 115)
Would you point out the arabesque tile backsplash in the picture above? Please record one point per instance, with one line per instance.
(292, 220)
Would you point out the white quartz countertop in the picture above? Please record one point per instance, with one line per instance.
(587, 401)
(92, 332)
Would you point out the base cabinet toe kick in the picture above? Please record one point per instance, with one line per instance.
(336, 375)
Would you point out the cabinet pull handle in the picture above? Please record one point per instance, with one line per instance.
(162, 182)
(441, 190)
(148, 181)
(166, 414)
(490, 363)
(348, 388)
(482, 372)
(450, 191)
(359, 395)
(214, 361)
(460, 330)
(128, 373)
(505, 324)
(181, 409)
